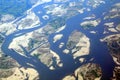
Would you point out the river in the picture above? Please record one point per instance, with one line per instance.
(98, 50)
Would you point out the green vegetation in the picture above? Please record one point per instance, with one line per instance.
(94, 73)
(88, 26)
(4, 73)
(36, 55)
(7, 63)
(81, 74)
(58, 22)
(32, 43)
(14, 7)
(71, 44)
(1, 39)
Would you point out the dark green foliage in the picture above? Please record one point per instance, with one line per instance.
(6, 63)
(58, 22)
(32, 43)
(94, 73)
(36, 55)
(70, 44)
(1, 39)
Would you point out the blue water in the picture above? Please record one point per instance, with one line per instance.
(98, 50)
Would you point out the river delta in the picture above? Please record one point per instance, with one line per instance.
(60, 40)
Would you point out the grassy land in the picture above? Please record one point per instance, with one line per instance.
(58, 22)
